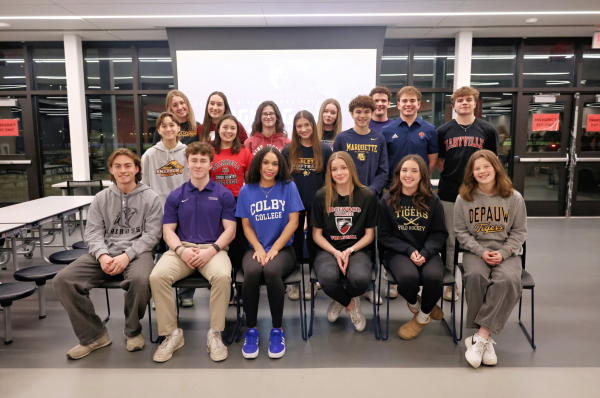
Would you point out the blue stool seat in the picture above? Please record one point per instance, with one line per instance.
(79, 245)
(10, 292)
(39, 274)
(67, 256)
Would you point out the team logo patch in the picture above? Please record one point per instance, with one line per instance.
(422, 135)
(343, 224)
(225, 169)
(170, 169)
(361, 156)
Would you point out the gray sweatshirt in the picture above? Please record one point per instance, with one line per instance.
(163, 170)
(491, 223)
(124, 223)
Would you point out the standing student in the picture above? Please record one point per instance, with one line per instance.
(330, 121)
(200, 201)
(306, 157)
(490, 222)
(382, 97)
(123, 226)
(457, 141)
(269, 206)
(216, 106)
(368, 150)
(412, 233)
(178, 104)
(344, 218)
(267, 129)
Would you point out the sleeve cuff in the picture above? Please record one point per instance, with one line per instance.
(505, 253)
(131, 253)
(410, 251)
(479, 251)
(100, 253)
(425, 254)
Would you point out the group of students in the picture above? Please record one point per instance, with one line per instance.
(217, 193)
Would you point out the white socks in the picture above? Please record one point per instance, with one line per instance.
(422, 317)
(415, 307)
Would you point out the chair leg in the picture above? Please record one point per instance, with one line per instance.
(530, 338)
(7, 325)
(452, 330)
(239, 317)
(177, 301)
(42, 300)
(462, 307)
(312, 308)
(159, 339)
(107, 307)
(303, 309)
(387, 318)
(375, 302)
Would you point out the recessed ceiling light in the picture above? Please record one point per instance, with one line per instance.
(531, 20)
(4, 25)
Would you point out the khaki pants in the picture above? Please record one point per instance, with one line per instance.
(170, 268)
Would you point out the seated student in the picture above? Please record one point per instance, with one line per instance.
(216, 106)
(344, 219)
(412, 232)
(267, 129)
(178, 104)
(199, 202)
(269, 206)
(123, 226)
(490, 221)
(306, 157)
(330, 121)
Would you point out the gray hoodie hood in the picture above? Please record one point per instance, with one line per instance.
(165, 170)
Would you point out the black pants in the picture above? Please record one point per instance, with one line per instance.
(410, 277)
(274, 272)
(238, 247)
(298, 243)
(329, 274)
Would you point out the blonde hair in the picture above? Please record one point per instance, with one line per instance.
(337, 125)
(191, 119)
(463, 92)
(409, 90)
(330, 185)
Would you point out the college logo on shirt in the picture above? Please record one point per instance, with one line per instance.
(183, 134)
(412, 216)
(343, 221)
(361, 156)
(343, 224)
(122, 222)
(422, 135)
(484, 216)
(474, 142)
(305, 165)
(170, 169)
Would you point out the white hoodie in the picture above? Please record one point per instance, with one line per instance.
(164, 170)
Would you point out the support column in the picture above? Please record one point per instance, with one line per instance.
(462, 60)
(80, 156)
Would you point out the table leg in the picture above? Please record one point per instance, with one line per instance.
(13, 241)
(81, 223)
(7, 326)
(64, 232)
(40, 228)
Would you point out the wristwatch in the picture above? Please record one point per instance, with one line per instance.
(217, 248)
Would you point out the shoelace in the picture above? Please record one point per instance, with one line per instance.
(169, 340)
(216, 341)
(480, 346)
(354, 315)
(490, 344)
(276, 338)
(250, 339)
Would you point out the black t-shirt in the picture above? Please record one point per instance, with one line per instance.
(346, 224)
(456, 146)
(328, 137)
(307, 181)
(185, 135)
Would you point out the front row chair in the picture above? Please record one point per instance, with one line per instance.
(10, 292)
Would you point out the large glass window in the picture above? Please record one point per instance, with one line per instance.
(434, 66)
(152, 106)
(497, 109)
(588, 182)
(108, 69)
(493, 66)
(549, 65)
(545, 127)
(12, 145)
(155, 69)
(55, 142)
(590, 130)
(49, 71)
(394, 66)
(13, 185)
(590, 75)
(111, 124)
(12, 69)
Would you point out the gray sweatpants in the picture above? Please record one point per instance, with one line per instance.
(491, 292)
(73, 284)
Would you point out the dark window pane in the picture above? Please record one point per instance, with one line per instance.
(49, 69)
(541, 183)
(55, 141)
(108, 69)
(494, 66)
(549, 65)
(12, 145)
(155, 69)
(588, 182)
(590, 75)
(497, 109)
(152, 106)
(590, 139)
(394, 66)
(111, 124)
(12, 69)
(434, 66)
(13, 185)
(545, 127)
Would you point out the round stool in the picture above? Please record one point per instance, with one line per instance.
(39, 275)
(10, 292)
(67, 256)
(79, 245)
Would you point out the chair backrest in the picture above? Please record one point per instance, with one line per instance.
(92, 186)
(458, 249)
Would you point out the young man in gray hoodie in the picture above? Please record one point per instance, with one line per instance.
(123, 226)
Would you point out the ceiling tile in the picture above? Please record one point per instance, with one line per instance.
(163, 9)
(156, 34)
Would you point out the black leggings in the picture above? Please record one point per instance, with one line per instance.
(410, 277)
(298, 243)
(358, 274)
(274, 272)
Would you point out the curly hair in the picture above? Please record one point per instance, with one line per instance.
(236, 145)
(204, 134)
(362, 101)
(296, 147)
(504, 186)
(424, 193)
(464, 91)
(257, 126)
(381, 90)
(283, 174)
(137, 162)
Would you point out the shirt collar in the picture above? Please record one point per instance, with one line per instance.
(418, 121)
(209, 187)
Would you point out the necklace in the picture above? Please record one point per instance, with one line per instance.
(465, 127)
(266, 193)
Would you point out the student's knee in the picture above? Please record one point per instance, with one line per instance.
(272, 274)
(221, 279)
(328, 277)
(61, 281)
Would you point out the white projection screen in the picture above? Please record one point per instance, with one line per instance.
(294, 79)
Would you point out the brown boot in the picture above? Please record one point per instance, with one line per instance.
(436, 313)
(411, 330)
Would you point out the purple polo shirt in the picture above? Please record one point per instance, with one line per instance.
(199, 214)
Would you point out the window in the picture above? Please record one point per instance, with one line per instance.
(493, 66)
(155, 69)
(549, 65)
(394, 66)
(49, 69)
(590, 75)
(108, 69)
(434, 66)
(152, 106)
(12, 69)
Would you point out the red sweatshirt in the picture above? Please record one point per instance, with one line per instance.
(258, 141)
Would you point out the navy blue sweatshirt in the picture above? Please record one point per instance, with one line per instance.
(369, 153)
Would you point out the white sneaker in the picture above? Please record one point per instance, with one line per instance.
(393, 291)
(215, 347)
(448, 293)
(307, 291)
(475, 345)
(369, 295)
(172, 342)
(334, 310)
(356, 316)
(489, 355)
(293, 292)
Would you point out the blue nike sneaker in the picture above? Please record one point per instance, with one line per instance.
(277, 343)
(250, 348)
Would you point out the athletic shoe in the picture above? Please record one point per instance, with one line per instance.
(356, 316)
(448, 293)
(135, 343)
(334, 310)
(489, 355)
(80, 351)
(307, 290)
(293, 292)
(276, 343)
(187, 302)
(369, 295)
(393, 291)
(475, 345)
(250, 348)
(215, 347)
(170, 344)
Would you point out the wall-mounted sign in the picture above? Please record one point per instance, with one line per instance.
(545, 122)
(9, 128)
(592, 123)
(596, 40)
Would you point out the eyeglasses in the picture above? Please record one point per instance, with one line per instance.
(268, 115)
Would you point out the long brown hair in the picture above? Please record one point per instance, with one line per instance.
(422, 196)
(206, 123)
(257, 126)
(191, 119)
(503, 184)
(296, 146)
(236, 145)
(337, 125)
(330, 184)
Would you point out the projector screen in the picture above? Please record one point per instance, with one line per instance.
(294, 79)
